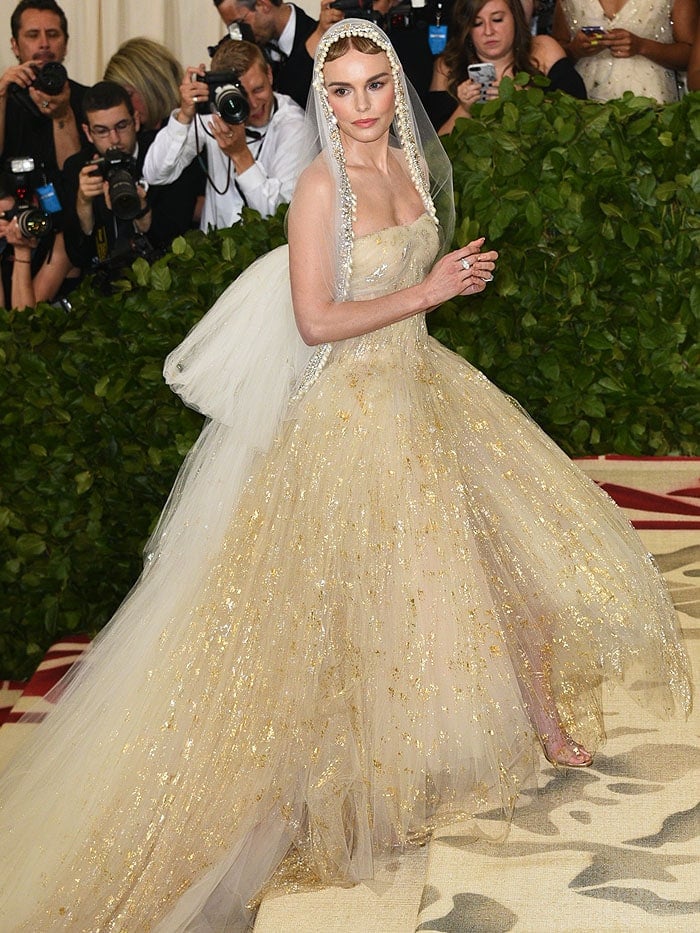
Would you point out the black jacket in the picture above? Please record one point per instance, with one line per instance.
(29, 133)
(293, 74)
(172, 207)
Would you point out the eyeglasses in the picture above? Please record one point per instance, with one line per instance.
(102, 131)
(246, 11)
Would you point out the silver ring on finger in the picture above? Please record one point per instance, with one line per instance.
(466, 265)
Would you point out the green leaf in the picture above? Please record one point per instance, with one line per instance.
(161, 279)
(30, 545)
(83, 481)
(100, 389)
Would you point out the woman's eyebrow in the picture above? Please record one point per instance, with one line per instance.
(382, 74)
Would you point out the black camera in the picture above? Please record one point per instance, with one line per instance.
(358, 9)
(121, 174)
(227, 97)
(32, 221)
(401, 17)
(50, 78)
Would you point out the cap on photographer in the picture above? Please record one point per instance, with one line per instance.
(252, 137)
(107, 204)
(40, 107)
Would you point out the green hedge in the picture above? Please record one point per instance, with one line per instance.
(92, 437)
(591, 322)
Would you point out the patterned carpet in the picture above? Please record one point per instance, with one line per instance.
(614, 847)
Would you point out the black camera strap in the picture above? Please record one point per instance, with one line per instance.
(252, 136)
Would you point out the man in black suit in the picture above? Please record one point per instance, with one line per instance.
(96, 229)
(40, 117)
(288, 36)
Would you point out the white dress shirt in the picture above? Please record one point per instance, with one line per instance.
(264, 186)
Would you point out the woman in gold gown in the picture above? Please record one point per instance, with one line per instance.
(376, 590)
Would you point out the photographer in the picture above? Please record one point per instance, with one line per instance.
(287, 35)
(98, 228)
(253, 151)
(33, 268)
(406, 26)
(40, 108)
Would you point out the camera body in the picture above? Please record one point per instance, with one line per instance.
(227, 97)
(32, 221)
(358, 9)
(121, 174)
(50, 78)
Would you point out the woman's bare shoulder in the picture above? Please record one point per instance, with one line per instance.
(313, 201)
(316, 175)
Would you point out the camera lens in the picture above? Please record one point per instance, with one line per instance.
(232, 104)
(33, 222)
(123, 195)
(51, 78)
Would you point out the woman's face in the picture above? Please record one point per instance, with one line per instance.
(493, 32)
(361, 94)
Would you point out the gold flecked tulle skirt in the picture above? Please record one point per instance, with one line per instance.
(405, 567)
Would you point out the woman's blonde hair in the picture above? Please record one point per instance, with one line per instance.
(151, 69)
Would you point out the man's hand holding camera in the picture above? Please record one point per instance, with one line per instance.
(91, 184)
(22, 75)
(230, 137)
(46, 85)
(192, 91)
(54, 106)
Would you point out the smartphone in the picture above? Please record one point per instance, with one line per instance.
(592, 30)
(484, 73)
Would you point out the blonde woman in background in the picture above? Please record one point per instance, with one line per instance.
(152, 76)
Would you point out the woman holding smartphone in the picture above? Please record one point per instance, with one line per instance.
(494, 31)
(628, 45)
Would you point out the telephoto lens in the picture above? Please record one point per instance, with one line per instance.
(119, 170)
(232, 104)
(31, 221)
(51, 78)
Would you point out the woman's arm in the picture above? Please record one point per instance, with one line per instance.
(319, 318)
(548, 56)
(22, 286)
(28, 291)
(53, 272)
(674, 55)
(468, 93)
(576, 44)
(694, 63)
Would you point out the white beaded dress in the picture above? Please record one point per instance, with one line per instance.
(360, 581)
(607, 77)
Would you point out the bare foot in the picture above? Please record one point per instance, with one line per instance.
(561, 750)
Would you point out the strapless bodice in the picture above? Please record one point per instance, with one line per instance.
(393, 258)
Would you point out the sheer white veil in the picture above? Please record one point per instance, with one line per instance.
(412, 132)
